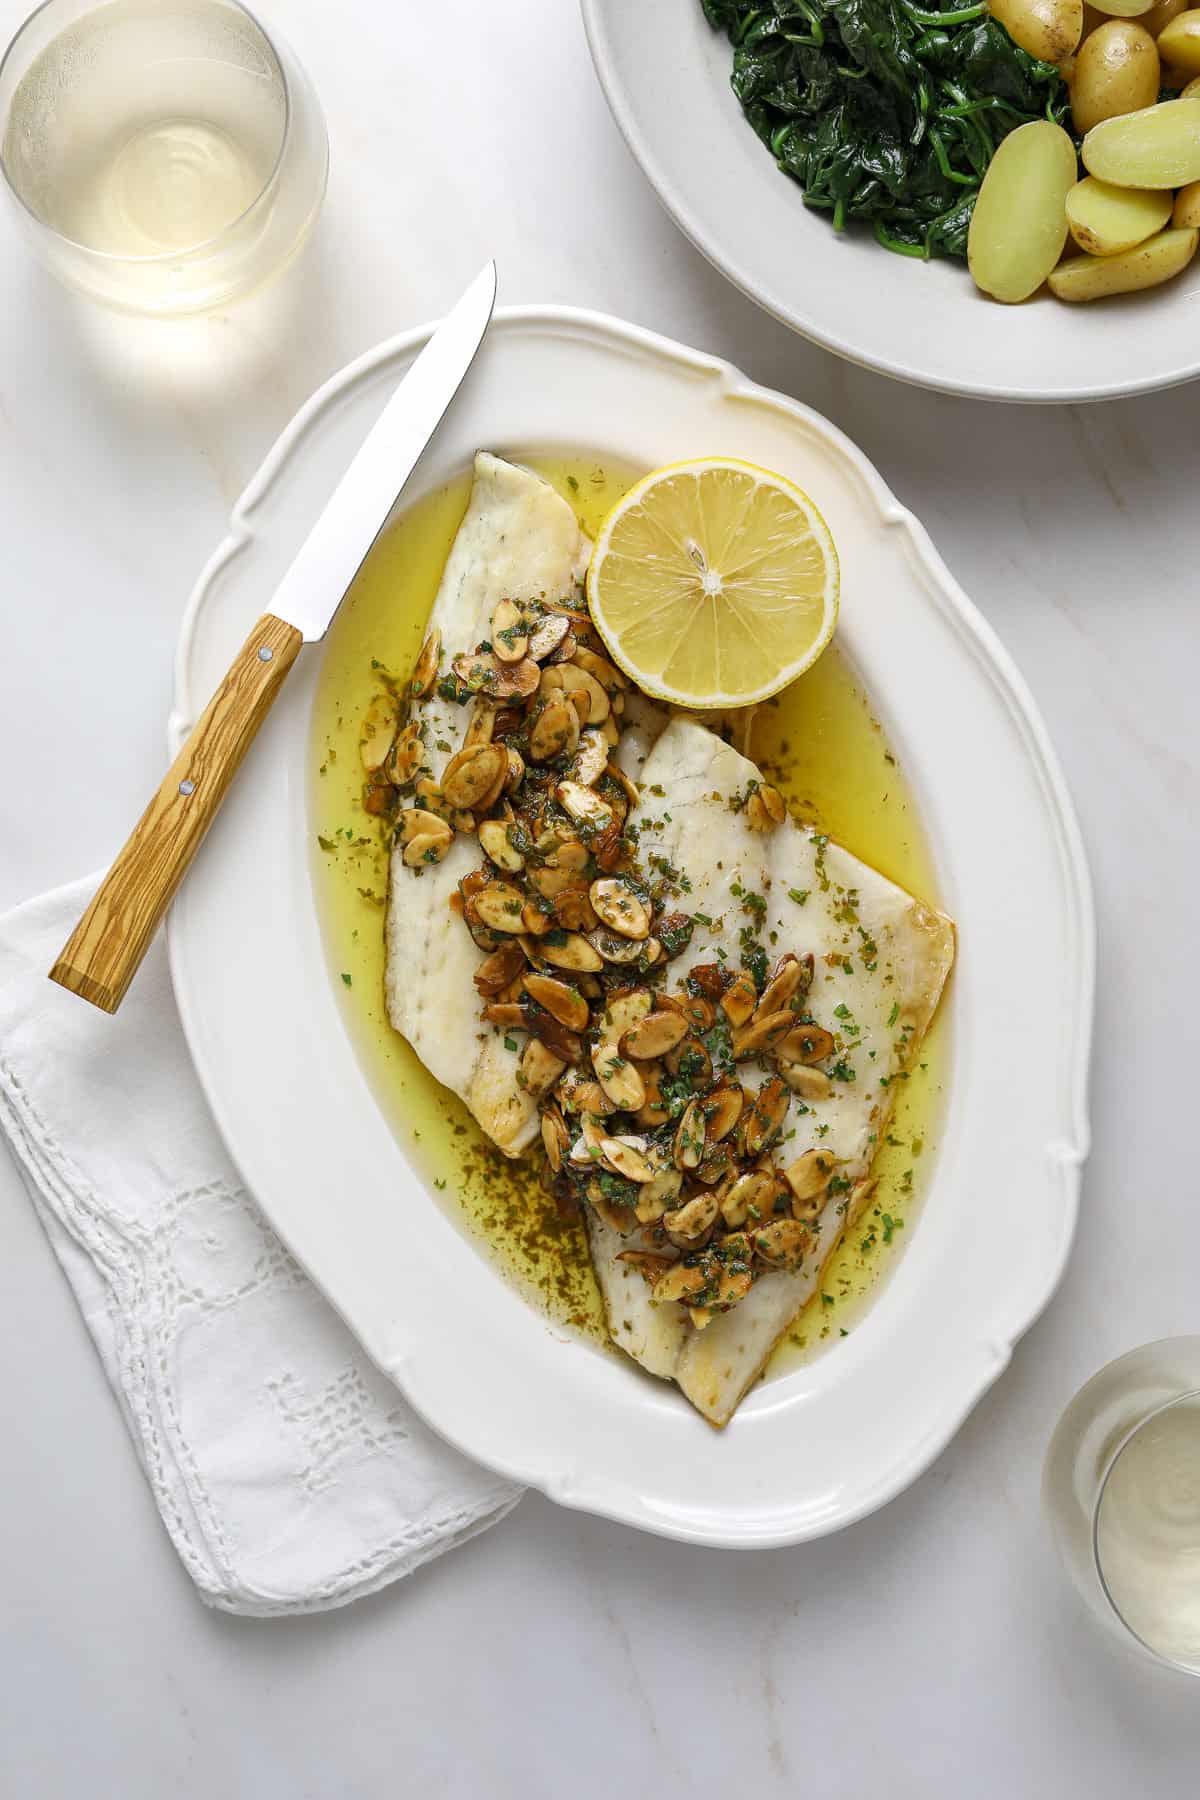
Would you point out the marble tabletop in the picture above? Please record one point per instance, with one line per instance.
(933, 1650)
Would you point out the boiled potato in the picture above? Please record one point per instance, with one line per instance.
(1116, 71)
(1179, 42)
(1158, 147)
(1019, 224)
(1118, 9)
(1105, 220)
(1192, 90)
(1049, 29)
(1094, 277)
(1186, 211)
(1160, 15)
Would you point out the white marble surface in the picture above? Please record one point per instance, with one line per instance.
(931, 1651)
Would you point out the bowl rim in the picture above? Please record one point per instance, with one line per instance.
(595, 23)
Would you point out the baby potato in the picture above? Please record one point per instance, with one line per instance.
(1158, 147)
(1116, 71)
(1192, 90)
(1049, 29)
(1179, 42)
(1155, 261)
(1186, 211)
(1019, 224)
(1118, 9)
(1160, 15)
(1105, 220)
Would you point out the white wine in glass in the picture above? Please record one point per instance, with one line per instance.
(1122, 1491)
(165, 154)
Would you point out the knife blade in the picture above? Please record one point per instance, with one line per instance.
(336, 547)
(103, 953)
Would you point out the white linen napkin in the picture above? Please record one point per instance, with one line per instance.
(290, 1474)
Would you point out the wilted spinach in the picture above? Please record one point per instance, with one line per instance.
(884, 110)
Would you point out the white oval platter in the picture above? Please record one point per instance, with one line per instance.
(827, 1442)
(665, 73)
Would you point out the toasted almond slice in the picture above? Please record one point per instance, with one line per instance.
(573, 953)
(547, 635)
(404, 758)
(805, 1044)
(622, 1011)
(425, 672)
(578, 1093)
(591, 759)
(552, 680)
(629, 788)
(509, 1015)
(564, 652)
(763, 1119)
(496, 971)
(572, 907)
(700, 1013)
(601, 670)
(739, 999)
(598, 705)
(765, 809)
(781, 988)
(690, 1058)
(612, 732)
(619, 907)
(510, 639)
(571, 855)
(680, 1282)
(414, 821)
(566, 1003)
(654, 1110)
(481, 726)
(498, 906)
(555, 1137)
(618, 1077)
(379, 725)
(540, 1068)
(555, 731)
(782, 1244)
(496, 843)
(515, 773)
(483, 673)
(661, 1191)
(721, 1109)
(751, 1196)
(584, 805)
(809, 1084)
(535, 921)
(688, 1223)
(654, 1036)
(470, 777)
(761, 1034)
(716, 1168)
(565, 1044)
(625, 1156)
(689, 1138)
(427, 848)
(613, 948)
(808, 1178)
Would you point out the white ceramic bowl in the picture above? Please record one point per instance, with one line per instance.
(822, 1444)
(666, 75)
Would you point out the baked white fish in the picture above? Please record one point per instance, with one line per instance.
(519, 540)
(881, 958)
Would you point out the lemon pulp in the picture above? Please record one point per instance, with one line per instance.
(714, 583)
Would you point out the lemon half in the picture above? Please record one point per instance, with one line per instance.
(714, 583)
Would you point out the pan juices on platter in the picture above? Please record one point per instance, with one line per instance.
(684, 1019)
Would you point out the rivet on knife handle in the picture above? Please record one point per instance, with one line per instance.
(103, 953)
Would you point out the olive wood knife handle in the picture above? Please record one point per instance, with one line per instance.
(105, 950)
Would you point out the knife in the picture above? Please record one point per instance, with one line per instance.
(103, 953)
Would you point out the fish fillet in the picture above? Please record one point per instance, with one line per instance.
(880, 954)
(518, 540)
